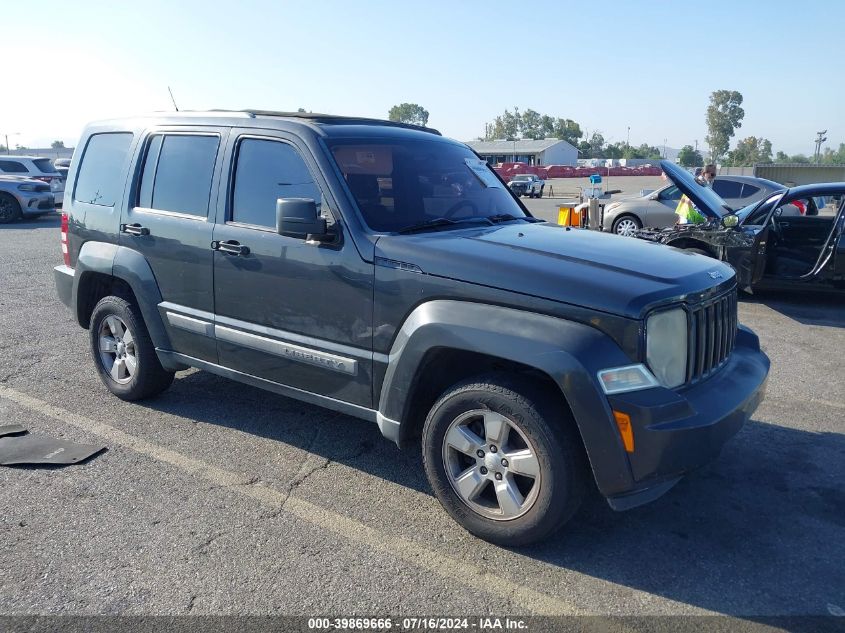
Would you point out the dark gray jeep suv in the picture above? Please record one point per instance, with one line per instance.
(381, 270)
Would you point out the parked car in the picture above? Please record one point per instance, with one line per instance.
(656, 209)
(531, 359)
(22, 197)
(61, 162)
(34, 167)
(527, 185)
(793, 239)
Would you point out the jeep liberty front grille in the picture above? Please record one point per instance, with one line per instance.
(713, 327)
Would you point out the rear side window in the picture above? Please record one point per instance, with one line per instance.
(12, 167)
(101, 174)
(727, 188)
(268, 170)
(177, 173)
(45, 166)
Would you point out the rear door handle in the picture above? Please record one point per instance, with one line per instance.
(233, 247)
(134, 229)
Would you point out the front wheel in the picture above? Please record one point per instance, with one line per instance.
(10, 209)
(123, 352)
(503, 461)
(627, 225)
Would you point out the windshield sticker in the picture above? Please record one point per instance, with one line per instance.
(483, 172)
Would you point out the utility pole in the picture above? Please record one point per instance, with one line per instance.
(820, 138)
(664, 148)
(628, 140)
(9, 149)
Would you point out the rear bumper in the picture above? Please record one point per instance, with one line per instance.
(64, 283)
(678, 431)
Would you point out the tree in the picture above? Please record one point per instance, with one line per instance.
(530, 125)
(724, 115)
(834, 158)
(568, 130)
(57, 144)
(409, 113)
(750, 151)
(690, 157)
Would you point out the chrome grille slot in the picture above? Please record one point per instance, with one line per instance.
(713, 327)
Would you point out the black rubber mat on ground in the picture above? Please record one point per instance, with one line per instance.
(20, 450)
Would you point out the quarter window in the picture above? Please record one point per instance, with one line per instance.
(670, 193)
(45, 166)
(727, 188)
(266, 171)
(101, 174)
(12, 167)
(177, 173)
(749, 190)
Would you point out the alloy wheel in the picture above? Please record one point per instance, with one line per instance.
(491, 464)
(118, 353)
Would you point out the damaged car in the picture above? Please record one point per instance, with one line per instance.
(792, 239)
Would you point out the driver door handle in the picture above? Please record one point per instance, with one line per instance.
(134, 229)
(232, 247)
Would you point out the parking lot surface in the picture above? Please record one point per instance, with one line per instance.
(218, 498)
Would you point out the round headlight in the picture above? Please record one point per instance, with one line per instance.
(666, 346)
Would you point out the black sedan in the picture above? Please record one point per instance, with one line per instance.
(793, 239)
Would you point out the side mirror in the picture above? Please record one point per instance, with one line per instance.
(730, 221)
(297, 217)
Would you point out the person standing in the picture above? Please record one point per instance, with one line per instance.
(686, 211)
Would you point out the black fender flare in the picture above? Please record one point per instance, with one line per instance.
(129, 266)
(569, 353)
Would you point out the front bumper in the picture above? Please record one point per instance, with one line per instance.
(36, 203)
(678, 431)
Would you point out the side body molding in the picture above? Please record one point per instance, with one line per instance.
(569, 353)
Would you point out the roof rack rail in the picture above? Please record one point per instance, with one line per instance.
(330, 119)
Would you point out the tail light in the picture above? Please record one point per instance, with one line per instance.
(65, 251)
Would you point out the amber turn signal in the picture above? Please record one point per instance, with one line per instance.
(623, 423)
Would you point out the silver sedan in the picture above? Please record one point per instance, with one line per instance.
(656, 209)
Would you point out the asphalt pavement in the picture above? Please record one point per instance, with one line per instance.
(218, 498)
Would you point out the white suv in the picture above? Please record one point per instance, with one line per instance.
(35, 167)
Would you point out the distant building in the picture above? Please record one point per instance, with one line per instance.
(547, 151)
(42, 152)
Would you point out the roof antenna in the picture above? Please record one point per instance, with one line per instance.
(175, 107)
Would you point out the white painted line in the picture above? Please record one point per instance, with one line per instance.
(446, 567)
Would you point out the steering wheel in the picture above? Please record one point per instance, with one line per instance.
(452, 211)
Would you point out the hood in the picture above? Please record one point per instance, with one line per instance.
(705, 199)
(614, 274)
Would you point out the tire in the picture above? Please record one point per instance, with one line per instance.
(10, 209)
(626, 225)
(533, 423)
(148, 378)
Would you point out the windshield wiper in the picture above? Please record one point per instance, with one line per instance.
(440, 222)
(507, 217)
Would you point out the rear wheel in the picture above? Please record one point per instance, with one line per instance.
(123, 352)
(627, 225)
(501, 460)
(10, 209)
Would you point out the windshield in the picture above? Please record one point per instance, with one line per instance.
(403, 183)
(522, 177)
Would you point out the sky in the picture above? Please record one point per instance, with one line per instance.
(647, 65)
